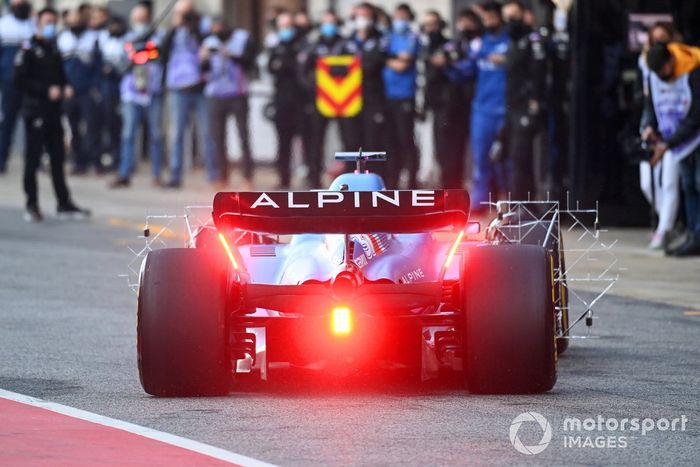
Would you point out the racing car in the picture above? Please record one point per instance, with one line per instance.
(345, 279)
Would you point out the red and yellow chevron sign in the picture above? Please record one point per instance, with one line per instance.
(339, 95)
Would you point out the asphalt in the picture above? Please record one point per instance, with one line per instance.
(67, 334)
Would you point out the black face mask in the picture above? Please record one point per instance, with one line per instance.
(191, 21)
(493, 29)
(516, 27)
(22, 11)
(77, 30)
(469, 34)
(435, 36)
(117, 31)
(223, 35)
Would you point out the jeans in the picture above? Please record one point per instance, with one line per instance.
(82, 115)
(184, 104)
(110, 119)
(486, 174)
(220, 108)
(666, 197)
(11, 103)
(690, 183)
(133, 115)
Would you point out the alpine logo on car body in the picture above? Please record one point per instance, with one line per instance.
(355, 199)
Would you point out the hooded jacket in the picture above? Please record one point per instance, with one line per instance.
(673, 107)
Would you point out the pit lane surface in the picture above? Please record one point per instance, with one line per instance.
(67, 334)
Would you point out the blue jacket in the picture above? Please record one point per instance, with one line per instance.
(401, 85)
(13, 32)
(81, 59)
(490, 94)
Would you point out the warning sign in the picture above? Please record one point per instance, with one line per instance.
(339, 86)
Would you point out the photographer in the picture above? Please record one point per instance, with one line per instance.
(672, 121)
(141, 93)
(184, 80)
(227, 56)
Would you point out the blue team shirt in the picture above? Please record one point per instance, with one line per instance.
(402, 85)
(490, 92)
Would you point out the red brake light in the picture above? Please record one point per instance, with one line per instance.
(341, 321)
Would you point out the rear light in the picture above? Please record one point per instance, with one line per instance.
(341, 321)
(229, 253)
(453, 250)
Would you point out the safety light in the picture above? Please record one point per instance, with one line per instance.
(227, 248)
(341, 321)
(453, 249)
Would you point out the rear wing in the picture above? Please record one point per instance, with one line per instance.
(348, 212)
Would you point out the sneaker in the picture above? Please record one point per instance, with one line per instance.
(33, 215)
(72, 212)
(174, 184)
(657, 241)
(690, 248)
(120, 183)
(675, 242)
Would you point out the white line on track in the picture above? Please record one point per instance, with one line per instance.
(150, 433)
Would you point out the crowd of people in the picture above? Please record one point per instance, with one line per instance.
(118, 72)
(485, 86)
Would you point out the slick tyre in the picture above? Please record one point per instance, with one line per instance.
(509, 320)
(182, 329)
(538, 235)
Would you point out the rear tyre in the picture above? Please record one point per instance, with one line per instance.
(509, 344)
(555, 245)
(182, 329)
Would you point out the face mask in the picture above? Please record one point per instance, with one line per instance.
(223, 35)
(22, 11)
(117, 30)
(493, 29)
(139, 29)
(77, 30)
(469, 34)
(362, 23)
(434, 36)
(48, 32)
(516, 27)
(400, 26)
(286, 34)
(329, 29)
